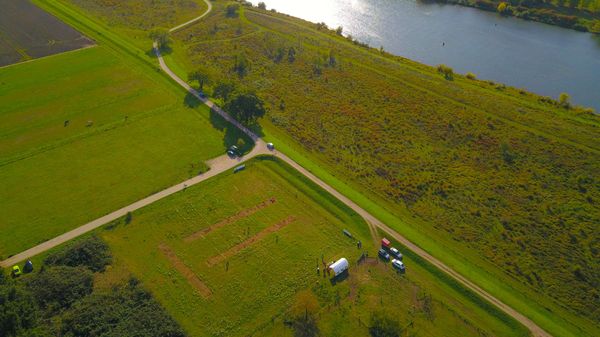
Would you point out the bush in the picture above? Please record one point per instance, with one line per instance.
(56, 288)
(446, 71)
(384, 325)
(262, 5)
(232, 10)
(471, 76)
(125, 311)
(17, 310)
(564, 100)
(91, 252)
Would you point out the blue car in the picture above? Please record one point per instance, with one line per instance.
(384, 255)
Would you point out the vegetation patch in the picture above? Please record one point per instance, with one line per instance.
(269, 280)
(61, 300)
(489, 172)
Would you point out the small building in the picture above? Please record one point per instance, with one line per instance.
(339, 266)
(385, 243)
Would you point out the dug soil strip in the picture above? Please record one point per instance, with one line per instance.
(235, 249)
(245, 213)
(185, 271)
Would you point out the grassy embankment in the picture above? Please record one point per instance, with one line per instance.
(85, 133)
(215, 260)
(498, 183)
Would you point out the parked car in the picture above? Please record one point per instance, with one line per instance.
(396, 253)
(271, 146)
(233, 151)
(398, 265)
(383, 254)
(16, 271)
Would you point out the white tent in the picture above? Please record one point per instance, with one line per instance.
(339, 266)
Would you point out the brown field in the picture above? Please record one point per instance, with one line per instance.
(28, 32)
(185, 271)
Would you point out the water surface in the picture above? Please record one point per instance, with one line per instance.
(542, 58)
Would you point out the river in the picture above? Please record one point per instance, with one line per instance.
(541, 58)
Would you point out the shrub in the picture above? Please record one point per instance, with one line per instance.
(125, 311)
(91, 252)
(56, 288)
(339, 30)
(384, 325)
(446, 71)
(471, 76)
(502, 8)
(262, 5)
(17, 310)
(232, 10)
(564, 100)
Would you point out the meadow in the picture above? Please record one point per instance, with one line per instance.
(497, 182)
(229, 257)
(86, 136)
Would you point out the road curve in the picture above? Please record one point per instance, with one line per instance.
(196, 19)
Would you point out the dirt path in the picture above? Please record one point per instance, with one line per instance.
(184, 270)
(259, 236)
(240, 215)
(194, 20)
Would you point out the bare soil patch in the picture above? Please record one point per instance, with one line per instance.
(27, 32)
(245, 213)
(192, 278)
(235, 249)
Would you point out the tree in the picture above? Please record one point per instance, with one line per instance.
(384, 325)
(246, 107)
(232, 10)
(339, 30)
(262, 5)
(564, 100)
(223, 90)
(241, 64)
(292, 55)
(199, 76)
(161, 37)
(91, 252)
(303, 313)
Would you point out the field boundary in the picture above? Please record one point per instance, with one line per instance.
(259, 236)
(231, 219)
(185, 271)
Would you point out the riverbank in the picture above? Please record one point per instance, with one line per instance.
(578, 19)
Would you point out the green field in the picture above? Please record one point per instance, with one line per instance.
(128, 135)
(504, 181)
(498, 183)
(213, 258)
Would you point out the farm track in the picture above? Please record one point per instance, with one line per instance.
(240, 215)
(224, 163)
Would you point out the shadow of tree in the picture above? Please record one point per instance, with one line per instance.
(231, 134)
(191, 101)
(164, 50)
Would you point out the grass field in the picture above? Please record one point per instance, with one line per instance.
(28, 32)
(113, 151)
(228, 256)
(491, 173)
(435, 128)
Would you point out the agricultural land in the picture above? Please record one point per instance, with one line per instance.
(85, 136)
(27, 32)
(229, 257)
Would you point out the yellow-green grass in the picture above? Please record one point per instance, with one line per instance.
(517, 109)
(490, 179)
(252, 290)
(56, 177)
(134, 19)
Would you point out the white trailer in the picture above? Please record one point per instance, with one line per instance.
(339, 266)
